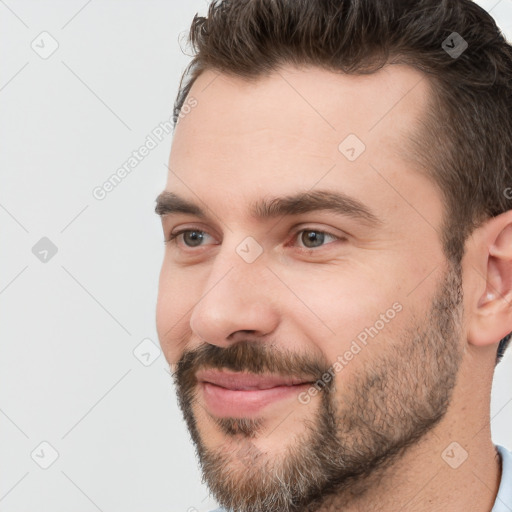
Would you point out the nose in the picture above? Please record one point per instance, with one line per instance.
(237, 299)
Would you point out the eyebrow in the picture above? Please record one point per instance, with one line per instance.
(168, 203)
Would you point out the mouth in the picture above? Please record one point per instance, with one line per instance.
(237, 394)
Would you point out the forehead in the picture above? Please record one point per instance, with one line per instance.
(299, 128)
(311, 104)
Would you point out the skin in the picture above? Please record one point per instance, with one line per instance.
(280, 135)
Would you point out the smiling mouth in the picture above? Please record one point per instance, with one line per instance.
(238, 394)
(247, 381)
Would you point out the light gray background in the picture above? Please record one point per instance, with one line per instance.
(69, 326)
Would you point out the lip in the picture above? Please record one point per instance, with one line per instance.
(246, 381)
(235, 394)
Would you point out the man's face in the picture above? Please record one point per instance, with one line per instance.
(310, 346)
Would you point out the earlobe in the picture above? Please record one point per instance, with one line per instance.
(491, 316)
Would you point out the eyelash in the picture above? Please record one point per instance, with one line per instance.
(173, 237)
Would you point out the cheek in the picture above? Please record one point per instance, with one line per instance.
(166, 326)
(348, 306)
(175, 303)
(344, 294)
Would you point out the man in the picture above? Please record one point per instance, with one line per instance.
(337, 282)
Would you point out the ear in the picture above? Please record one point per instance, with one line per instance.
(491, 305)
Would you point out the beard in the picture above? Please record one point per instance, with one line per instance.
(389, 404)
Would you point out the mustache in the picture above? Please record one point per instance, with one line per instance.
(247, 356)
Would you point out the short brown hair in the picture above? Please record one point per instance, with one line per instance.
(465, 141)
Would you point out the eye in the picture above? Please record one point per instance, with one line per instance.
(191, 237)
(313, 238)
(310, 238)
